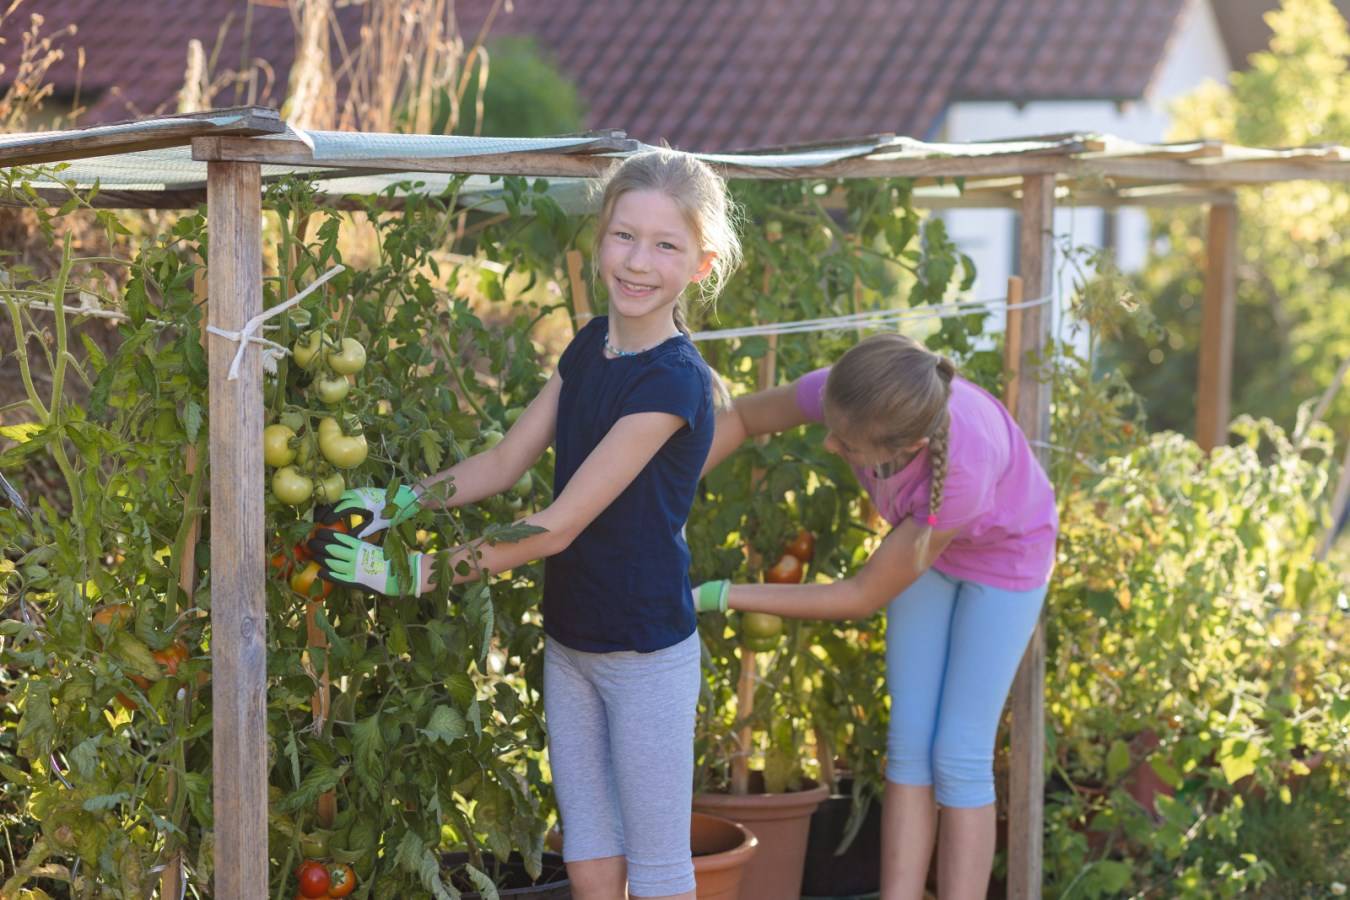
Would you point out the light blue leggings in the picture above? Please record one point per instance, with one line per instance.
(952, 649)
(621, 746)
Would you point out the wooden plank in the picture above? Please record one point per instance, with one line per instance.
(1031, 408)
(581, 299)
(1012, 342)
(1230, 172)
(150, 134)
(582, 160)
(1215, 376)
(238, 557)
(295, 153)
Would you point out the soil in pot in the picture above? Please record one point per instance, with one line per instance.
(511, 878)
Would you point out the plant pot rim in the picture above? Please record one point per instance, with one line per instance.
(804, 800)
(726, 859)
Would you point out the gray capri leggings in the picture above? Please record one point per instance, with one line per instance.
(621, 747)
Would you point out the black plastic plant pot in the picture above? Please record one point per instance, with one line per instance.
(511, 878)
(855, 873)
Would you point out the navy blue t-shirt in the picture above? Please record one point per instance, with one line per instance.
(623, 584)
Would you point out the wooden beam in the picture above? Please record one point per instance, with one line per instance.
(1026, 807)
(151, 134)
(1012, 342)
(1215, 376)
(582, 160)
(238, 557)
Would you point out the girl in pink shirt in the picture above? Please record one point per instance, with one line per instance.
(962, 575)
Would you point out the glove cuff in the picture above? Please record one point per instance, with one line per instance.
(712, 596)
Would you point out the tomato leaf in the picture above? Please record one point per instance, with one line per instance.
(368, 744)
(319, 780)
(192, 420)
(105, 802)
(446, 724)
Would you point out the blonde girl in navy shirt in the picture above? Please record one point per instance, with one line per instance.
(630, 410)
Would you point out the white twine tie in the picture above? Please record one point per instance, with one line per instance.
(247, 335)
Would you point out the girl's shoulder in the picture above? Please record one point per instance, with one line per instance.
(587, 338)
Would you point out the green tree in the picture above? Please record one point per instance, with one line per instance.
(1293, 276)
(527, 95)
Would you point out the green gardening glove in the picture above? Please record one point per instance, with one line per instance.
(711, 596)
(345, 559)
(367, 504)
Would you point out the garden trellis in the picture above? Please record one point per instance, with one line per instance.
(223, 157)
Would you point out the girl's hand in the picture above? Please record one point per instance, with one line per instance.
(368, 506)
(347, 560)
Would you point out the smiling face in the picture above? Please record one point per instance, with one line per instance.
(648, 254)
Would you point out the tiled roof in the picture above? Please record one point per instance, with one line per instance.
(715, 74)
(701, 74)
(135, 53)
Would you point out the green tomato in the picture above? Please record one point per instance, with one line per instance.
(306, 350)
(329, 488)
(306, 449)
(343, 451)
(166, 426)
(489, 439)
(332, 390)
(291, 486)
(277, 449)
(585, 239)
(523, 485)
(513, 414)
(350, 359)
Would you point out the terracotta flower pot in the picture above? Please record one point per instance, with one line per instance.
(781, 822)
(721, 849)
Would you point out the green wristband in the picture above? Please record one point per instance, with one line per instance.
(712, 596)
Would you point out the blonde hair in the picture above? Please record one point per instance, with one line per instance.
(702, 197)
(893, 391)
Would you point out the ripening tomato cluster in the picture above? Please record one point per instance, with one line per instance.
(110, 622)
(309, 459)
(760, 631)
(319, 879)
(303, 573)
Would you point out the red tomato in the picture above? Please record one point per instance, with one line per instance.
(788, 570)
(343, 880)
(803, 546)
(172, 656)
(314, 879)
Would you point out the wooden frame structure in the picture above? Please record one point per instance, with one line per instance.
(1030, 175)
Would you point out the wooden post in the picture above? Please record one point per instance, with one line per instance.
(1214, 380)
(238, 557)
(1012, 343)
(581, 300)
(1031, 408)
(745, 686)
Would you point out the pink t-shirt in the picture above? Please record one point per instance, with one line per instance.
(996, 496)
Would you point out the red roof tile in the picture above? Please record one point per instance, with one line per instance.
(700, 74)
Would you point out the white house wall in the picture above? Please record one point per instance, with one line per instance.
(1196, 53)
